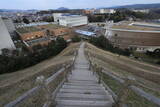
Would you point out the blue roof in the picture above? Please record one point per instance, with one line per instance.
(85, 33)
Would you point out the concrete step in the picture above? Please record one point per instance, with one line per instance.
(82, 97)
(82, 65)
(77, 67)
(82, 77)
(82, 74)
(81, 84)
(75, 103)
(85, 91)
(81, 71)
(81, 80)
(82, 87)
(79, 63)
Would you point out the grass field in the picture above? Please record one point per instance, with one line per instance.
(146, 76)
(146, 58)
(13, 85)
(133, 100)
(144, 70)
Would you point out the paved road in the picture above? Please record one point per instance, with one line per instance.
(82, 88)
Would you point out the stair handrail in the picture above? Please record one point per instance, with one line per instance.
(53, 95)
(134, 88)
(31, 92)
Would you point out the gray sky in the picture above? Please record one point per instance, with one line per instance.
(53, 4)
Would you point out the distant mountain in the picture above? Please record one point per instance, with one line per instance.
(140, 6)
(16, 10)
(62, 8)
(8, 10)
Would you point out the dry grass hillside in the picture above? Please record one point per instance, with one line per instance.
(13, 85)
(147, 76)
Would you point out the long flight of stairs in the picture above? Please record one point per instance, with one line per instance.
(82, 88)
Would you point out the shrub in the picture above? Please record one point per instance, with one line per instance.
(103, 43)
(76, 39)
(13, 63)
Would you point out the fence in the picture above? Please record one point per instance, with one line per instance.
(48, 86)
(128, 81)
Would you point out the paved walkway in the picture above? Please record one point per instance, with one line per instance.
(82, 88)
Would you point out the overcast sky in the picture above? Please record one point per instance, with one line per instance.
(53, 4)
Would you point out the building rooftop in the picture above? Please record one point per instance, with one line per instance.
(52, 26)
(85, 33)
(19, 25)
(38, 28)
(27, 29)
(137, 26)
(72, 16)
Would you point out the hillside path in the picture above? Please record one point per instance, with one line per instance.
(82, 88)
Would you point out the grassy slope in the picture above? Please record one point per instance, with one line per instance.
(123, 66)
(15, 84)
(133, 100)
(144, 70)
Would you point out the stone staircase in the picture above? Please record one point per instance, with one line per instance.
(82, 88)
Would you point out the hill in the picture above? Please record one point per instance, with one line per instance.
(146, 75)
(62, 8)
(139, 6)
(13, 85)
(17, 10)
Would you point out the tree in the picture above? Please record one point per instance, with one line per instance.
(16, 62)
(48, 19)
(48, 32)
(103, 43)
(25, 20)
(60, 44)
(5, 51)
(76, 39)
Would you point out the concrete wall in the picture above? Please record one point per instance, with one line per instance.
(5, 39)
(10, 26)
(73, 21)
(111, 11)
(56, 16)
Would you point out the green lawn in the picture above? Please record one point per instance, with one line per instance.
(114, 85)
(133, 100)
(146, 58)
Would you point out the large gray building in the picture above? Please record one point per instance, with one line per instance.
(74, 20)
(138, 36)
(10, 26)
(5, 38)
(66, 19)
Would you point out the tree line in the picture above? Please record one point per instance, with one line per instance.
(124, 14)
(13, 63)
(103, 43)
